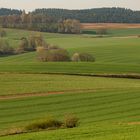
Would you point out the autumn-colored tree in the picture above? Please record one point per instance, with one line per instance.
(69, 26)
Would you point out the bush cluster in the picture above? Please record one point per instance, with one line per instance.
(77, 57)
(48, 123)
(70, 121)
(30, 44)
(45, 52)
(52, 54)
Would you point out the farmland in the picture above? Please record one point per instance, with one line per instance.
(99, 102)
(107, 108)
(109, 25)
(113, 54)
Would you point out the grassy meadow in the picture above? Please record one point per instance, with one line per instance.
(107, 108)
(112, 54)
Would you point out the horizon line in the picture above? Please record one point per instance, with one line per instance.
(67, 8)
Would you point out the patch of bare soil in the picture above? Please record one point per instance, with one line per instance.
(18, 96)
(109, 25)
(133, 123)
(126, 37)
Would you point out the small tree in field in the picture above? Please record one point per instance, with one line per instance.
(71, 121)
(35, 41)
(23, 46)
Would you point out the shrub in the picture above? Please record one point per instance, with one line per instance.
(71, 121)
(82, 57)
(32, 42)
(52, 55)
(5, 48)
(35, 41)
(48, 123)
(76, 57)
(58, 55)
(24, 45)
(42, 54)
(101, 31)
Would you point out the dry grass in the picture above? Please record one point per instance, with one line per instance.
(109, 25)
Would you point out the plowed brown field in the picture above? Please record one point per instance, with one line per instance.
(108, 25)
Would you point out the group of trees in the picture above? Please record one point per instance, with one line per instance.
(49, 19)
(65, 21)
(53, 53)
(69, 26)
(30, 43)
(56, 54)
(40, 22)
(25, 44)
(45, 52)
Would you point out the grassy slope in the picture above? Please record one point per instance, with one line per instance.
(117, 32)
(112, 101)
(104, 112)
(113, 55)
(41, 83)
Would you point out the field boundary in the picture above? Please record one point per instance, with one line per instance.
(128, 76)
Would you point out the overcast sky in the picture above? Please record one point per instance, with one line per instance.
(69, 4)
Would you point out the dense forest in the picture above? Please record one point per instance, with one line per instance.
(6, 12)
(114, 15)
(104, 15)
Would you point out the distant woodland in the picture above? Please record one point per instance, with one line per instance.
(64, 21)
(98, 15)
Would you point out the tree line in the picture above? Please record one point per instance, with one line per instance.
(64, 21)
(6, 12)
(114, 15)
(40, 22)
(97, 15)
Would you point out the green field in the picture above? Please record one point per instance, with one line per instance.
(102, 104)
(109, 101)
(117, 32)
(108, 108)
(113, 54)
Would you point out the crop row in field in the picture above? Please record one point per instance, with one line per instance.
(110, 107)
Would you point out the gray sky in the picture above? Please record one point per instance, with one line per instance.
(69, 4)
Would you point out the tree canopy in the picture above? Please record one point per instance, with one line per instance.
(97, 15)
